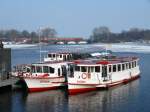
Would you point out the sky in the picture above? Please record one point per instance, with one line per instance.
(74, 18)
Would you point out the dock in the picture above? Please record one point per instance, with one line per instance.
(5, 68)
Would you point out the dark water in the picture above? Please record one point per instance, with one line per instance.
(132, 97)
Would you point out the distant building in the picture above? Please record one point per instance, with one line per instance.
(62, 40)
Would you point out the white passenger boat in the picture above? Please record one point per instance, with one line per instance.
(46, 75)
(92, 74)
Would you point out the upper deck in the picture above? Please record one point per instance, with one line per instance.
(59, 56)
(106, 61)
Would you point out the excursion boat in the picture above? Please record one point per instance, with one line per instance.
(92, 74)
(44, 76)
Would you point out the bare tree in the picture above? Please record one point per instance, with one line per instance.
(48, 33)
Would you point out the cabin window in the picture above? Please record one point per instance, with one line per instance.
(49, 55)
(70, 56)
(110, 68)
(58, 71)
(135, 63)
(77, 68)
(83, 69)
(129, 65)
(119, 67)
(53, 55)
(123, 67)
(64, 57)
(92, 69)
(114, 68)
(67, 57)
(28, 70)
(97, 69)
(38, 69)
(33, 69)
(51, 70)
(89, 69)
(71, 70)
(104, 71)
(132, 64)
(60, 56)
(64, 70)
(45, 69)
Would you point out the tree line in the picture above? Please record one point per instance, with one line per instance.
(103, 34)
(13, 34)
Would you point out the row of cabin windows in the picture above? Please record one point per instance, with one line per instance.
(111, 68)
(42, 69)
(122, 67)
(87, 69)
(60, 56)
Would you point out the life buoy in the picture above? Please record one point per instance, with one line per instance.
(84, 76)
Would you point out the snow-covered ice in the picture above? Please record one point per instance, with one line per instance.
(125, 47)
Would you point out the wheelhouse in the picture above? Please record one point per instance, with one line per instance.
(58, 57)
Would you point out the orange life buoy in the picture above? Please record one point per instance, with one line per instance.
(84, 76)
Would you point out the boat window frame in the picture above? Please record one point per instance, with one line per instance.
(123, 66)
(54, 55)
(28, 69)
(44, 69)
(130, 65)
(92, 69)
(78, 69)
(99, 70)
(119, 67)
(60, 55)
(33, 69)
(39, 70)
(53, 70)
(127, 65)
(49, 55)
(114, 70)
(83, 68)
(109, 68)
(136, 63)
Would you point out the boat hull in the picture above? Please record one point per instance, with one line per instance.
(79, 88)
(43, 84)
(75, 88)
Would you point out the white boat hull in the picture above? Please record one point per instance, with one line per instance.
(41, 84)
(76, 86)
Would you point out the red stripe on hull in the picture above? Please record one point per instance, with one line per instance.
(42, 89)
(81, 90)
(125, 81)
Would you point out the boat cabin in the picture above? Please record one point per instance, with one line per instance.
(58, 57)
(101, 69)
(45, 70)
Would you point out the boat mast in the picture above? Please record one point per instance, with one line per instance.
(40, 42)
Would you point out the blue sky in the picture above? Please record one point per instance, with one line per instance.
(74, 17)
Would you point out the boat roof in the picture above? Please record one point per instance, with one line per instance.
(49, 63)
(59, 53)
(116, 60)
